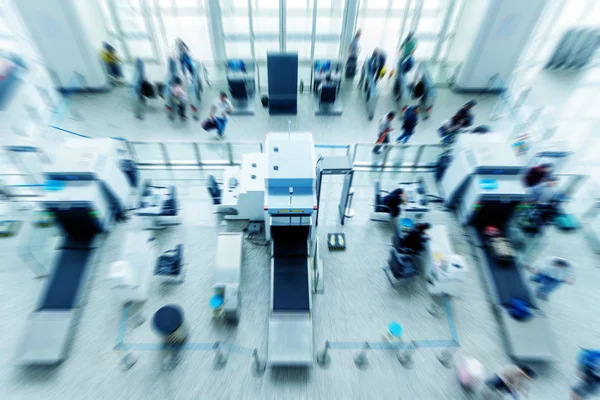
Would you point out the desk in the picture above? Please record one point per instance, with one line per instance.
(248, 195)
(440, 279)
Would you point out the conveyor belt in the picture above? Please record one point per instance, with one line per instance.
(290, 241)
(507, 279)
(61, 293)
(290, 284)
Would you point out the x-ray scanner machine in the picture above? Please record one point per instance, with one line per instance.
(90, 189)
(477, 155)
(290, 220)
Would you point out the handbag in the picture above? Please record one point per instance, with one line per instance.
(208, 124)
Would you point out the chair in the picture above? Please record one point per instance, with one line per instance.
(381, 212)
(169, 266)
(238, 90)
(400, 266)
(328, 94)
(214, 190)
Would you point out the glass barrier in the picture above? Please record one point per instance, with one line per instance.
(363, 156)
(238, 149)
(332, 149)
(401, 156)
(181, 153)
(215, 153)
(148, 153)
(429, 155)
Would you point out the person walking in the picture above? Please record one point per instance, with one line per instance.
(410, 121)
(550, 273)
(112, 62)
(354, 45)
(383, 131)
(408, 46)
(219, 112)
(185, 58)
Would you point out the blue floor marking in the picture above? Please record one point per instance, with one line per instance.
(68, 131)
(123, 325)
(234, 348)
(450, 317)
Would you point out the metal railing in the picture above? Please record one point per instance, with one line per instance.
(178, 154)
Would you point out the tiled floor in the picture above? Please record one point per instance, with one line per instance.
(356, 306)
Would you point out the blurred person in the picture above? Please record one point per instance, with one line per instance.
(112, 62)
(415, 239)
(219, 111)
(185, 58)
(393, 201)
(325, 82)
(550, 273)
(377, 63)
(511, 380)
(537, 174)
(383, 130)
(588, 371)
(408, 46)
(409, 122)
(463, 117)
(179, 96)
(354, 48)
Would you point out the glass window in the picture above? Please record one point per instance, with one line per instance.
(266, 25)
(238, 49)
(327, 50)
(302, 47)
(236, 25)
(425, 50)
(141, 48)
(262, 47)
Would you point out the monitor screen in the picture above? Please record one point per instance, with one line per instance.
(322, 65)
(236, 65)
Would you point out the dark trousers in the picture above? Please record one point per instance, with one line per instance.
(405, 135)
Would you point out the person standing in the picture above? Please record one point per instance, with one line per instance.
(179, 97)
(383, 131)
(354, 45)
(550, 273)
(185, 58)
(112, 62)
(408, 46)
(219, 111)
(377, 63)
(410, 121)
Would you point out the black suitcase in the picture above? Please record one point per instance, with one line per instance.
(351, 68)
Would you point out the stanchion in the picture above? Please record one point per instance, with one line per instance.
(446, 356)
(434, 308)
(258, 366)
(128, 361)
(323, 358)
(360, 360)
(406, 355)
(171, 358)
(220, 356)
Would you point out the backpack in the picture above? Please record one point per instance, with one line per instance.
(519, 309)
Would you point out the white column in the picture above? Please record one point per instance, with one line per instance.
(348, 26)
(215, 28)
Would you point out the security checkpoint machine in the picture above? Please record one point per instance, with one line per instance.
(290, 224)
(89, 190)
(483, 182)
